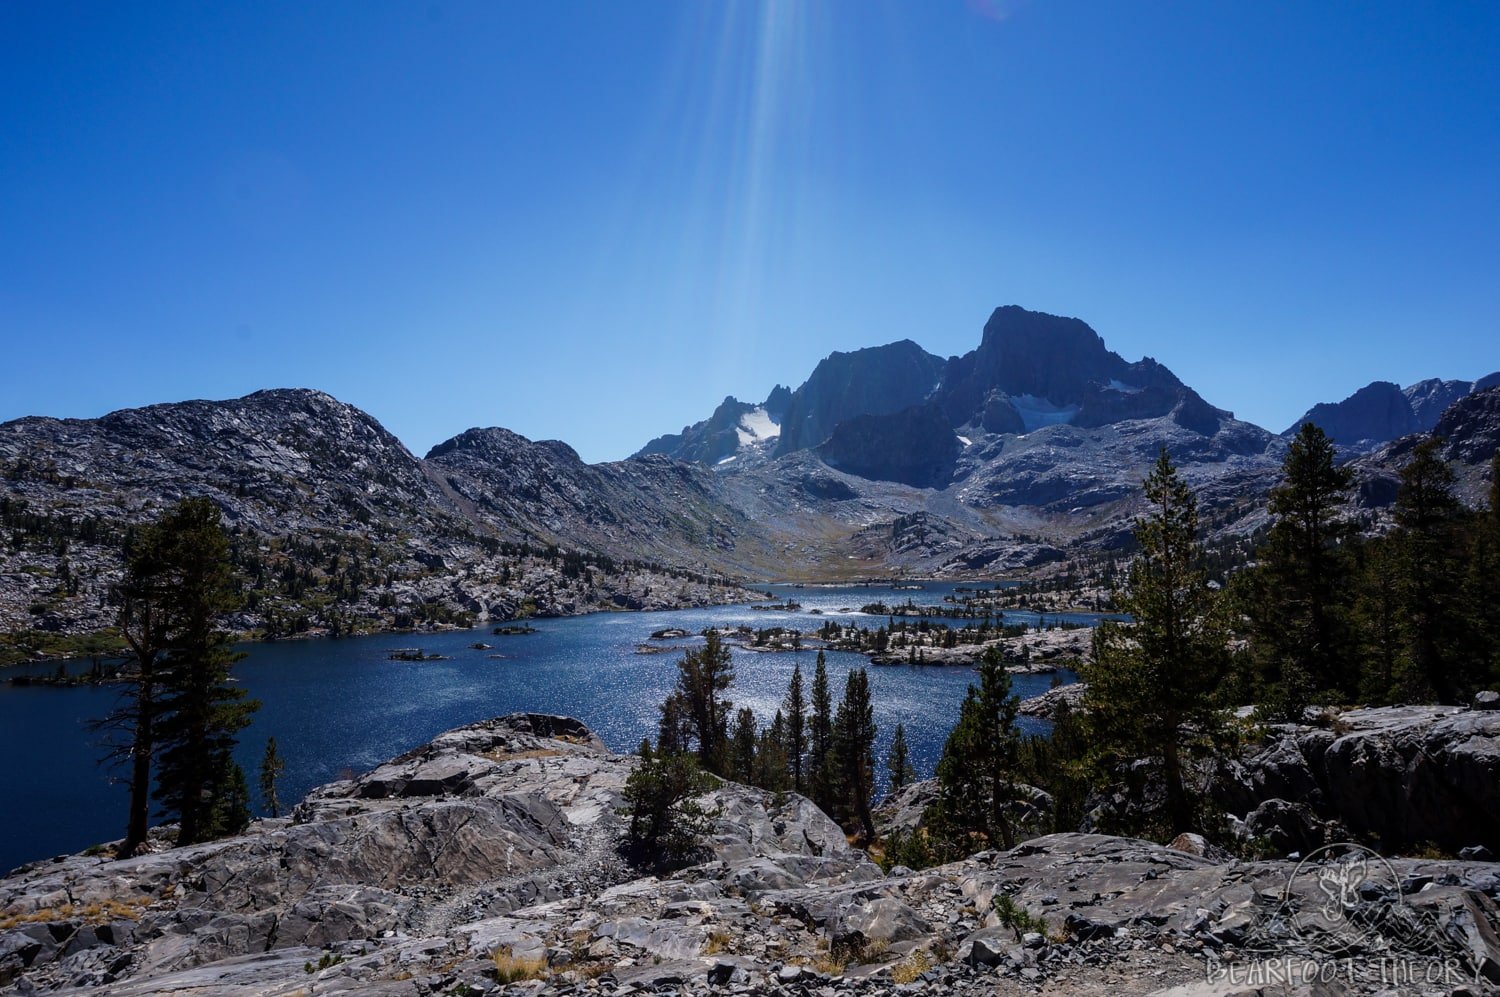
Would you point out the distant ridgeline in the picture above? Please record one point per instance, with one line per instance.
(1021, 455)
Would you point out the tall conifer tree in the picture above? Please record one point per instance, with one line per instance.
(794, 711)
(1299, 598)
(202, 713)
(1152, 683)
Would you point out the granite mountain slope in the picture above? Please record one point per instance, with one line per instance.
(336, 526)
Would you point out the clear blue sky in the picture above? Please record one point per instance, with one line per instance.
(591, 221)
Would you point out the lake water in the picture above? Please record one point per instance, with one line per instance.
(337, 705)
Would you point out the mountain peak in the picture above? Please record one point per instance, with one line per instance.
(1382, 411)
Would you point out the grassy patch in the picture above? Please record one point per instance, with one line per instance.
(509, 969)
(101, 912)
(21, 646)
(912, 967)
(716, 943)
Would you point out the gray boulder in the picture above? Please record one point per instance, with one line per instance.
(1285, 827)
(1407, 775)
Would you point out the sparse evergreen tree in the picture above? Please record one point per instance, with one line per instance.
(179, 711)
(201, 712)
(1151, 686)
(667, 823)
(229, 807)
(772, 770)
(271, 767)
(977, 773)
(671, 732)
(1059, 764)
(898, 762)
(147, 598)
(820, 739)
(742, 748)
(1428, 517)
(701, 711)
(1300, 594)
(795, 712)
(854, 748)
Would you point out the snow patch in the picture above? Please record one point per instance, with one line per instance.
(755, 426)
(966, 441)
(731, 457)
(1129, 389)
(1038, 412)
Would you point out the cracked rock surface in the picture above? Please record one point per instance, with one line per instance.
(501, 837)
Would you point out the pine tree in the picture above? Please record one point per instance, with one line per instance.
(820, 739)
(671, 732)
(977, 772)
(854, 749)
(772, 770)
(667, 821)
(1377, 619)
(179, 715)
(271, 767)
(697, 706)
(1428, 517)
(147, 597)
(898, 762)
(742, 748)
(795, 712)
(201, 712)
(229, 802)
(1300, 594)
(1151, 685)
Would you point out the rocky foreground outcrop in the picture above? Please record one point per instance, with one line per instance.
(492, 852)
(1405, 776)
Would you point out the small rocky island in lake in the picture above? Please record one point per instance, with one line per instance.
(415, 654)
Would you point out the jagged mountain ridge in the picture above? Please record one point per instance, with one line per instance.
(1470, 433)
(734, 424)
(651, 507)
(1034, 441)
(1383, 411)
(325, 499)
(1032, 370)
(1029, 371)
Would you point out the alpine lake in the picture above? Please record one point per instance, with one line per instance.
(340, 706)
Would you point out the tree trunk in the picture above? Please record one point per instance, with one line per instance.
(139, 820)
(1177, 801)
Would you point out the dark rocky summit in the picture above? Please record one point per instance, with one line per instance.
(1041, 424)
(496, 844)
(1377, 412)
(1382, 411)
(879, 380)
(1032, 369)
(915, 446)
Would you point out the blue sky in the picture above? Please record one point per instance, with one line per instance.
(591, 221)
